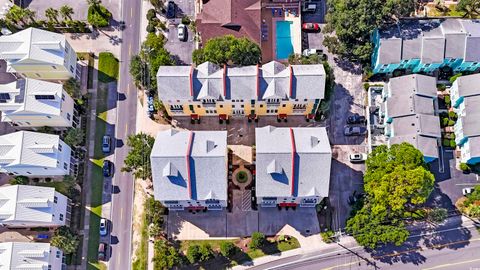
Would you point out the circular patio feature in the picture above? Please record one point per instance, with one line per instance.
(242, 177)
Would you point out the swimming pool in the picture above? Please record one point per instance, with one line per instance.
(284, 45)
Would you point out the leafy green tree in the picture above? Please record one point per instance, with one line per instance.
(155, 211)
(438, 215)
(257, 241)
(396, 181)
(51, 14)
(74, 137)
(165, 256)
(19, 180)
(16, 14)
(228, 50)
(98, 15)
(72, 86)
(470, 7)
(138, 158)
(66, 12)
(206, 252)
(227, 249)
(30, 14)
(137, 69)
(158, 4)
(193, 254)
(155, 55)
(354, 22)
(64, 239)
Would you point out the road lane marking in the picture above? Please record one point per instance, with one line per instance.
(131, 12)
(121, 214)
(130, 49)
(337, 266)
(450, 264)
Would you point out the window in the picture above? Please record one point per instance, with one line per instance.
(426, 65)
(268, 111)
(47, 97)
(58, 253)
(28, 123)
(221, 106)
(261, 105)
(198, 106)
(49, 117)
(233, 106)
(242, 105)
(63, 96)
(68, 116)
(54, 67)
(4, 96)
(252, 101)
(284, 105)
(66, 49)
(55, 199)
(61, 217)
(65, 165)
(60, 147)
(29, 173)
(71, 69)
(38, 75)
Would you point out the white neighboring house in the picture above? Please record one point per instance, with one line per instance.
(292, 166)
(189, 169)
(35, 103)
(30, 255)
(33, 206)
(40, 54)
(34, 154)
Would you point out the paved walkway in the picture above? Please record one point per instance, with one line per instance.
(91, 151)
(100, 41)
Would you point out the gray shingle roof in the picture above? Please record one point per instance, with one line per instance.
(274, 162)
(208, 165)
(275, 81)
(427, 145)
(468, 85)
(420, 124)
(414, 92)
(430, 40)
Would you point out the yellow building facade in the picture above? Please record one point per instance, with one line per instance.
(249, 91)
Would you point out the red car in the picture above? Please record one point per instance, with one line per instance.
(311, 26)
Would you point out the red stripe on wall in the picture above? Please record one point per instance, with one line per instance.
(291, 81)
(258, 81)
(191, 81)
(225, 81)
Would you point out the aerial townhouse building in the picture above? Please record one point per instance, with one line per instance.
(39, 54)
(33, 206)
(31, 103)
(292, 166)
(410, 112)
(34, 154)
(248, 91)
(465, 98)
(30, 255)
(424, 46)
(189, 169)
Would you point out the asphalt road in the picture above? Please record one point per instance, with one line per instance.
(122, 197)
(452, 247)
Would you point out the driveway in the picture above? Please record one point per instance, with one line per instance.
(181, 50)
(302, 219)
(80, 8)
(319, 15)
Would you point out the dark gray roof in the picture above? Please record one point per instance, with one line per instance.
(419, 124)
(208, 165)
(274, 148)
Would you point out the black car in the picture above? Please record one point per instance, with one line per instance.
(356, 119)
(171, 10)
(107, 168)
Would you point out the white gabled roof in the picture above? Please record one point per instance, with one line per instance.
(19, 203)
(26, 148)
(25, 255)
(23, 98)
(33, 45)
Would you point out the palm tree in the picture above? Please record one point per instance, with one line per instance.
(94, 2)
(30, 14)
(66, 12)
(15, 14)
(51, 14)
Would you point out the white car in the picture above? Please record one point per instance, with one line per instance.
(467, 190)
(357, 157)
(308, 52)
(182, 32)
(103, 227)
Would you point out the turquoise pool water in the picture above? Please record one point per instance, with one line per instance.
(284, 45)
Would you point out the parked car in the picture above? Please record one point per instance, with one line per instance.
(311, 27)
(467, 190)
(354, 131)
(103, 227)
(102, 251)
(42, 236)
(182, 32)
(357, 157)
(171, 10)
(308, 52)
(309, 7)
(121, 25)
(106, 144)
(107, 168)
(356, 119)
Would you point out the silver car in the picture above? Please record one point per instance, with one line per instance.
(182, 32)
(354, 131)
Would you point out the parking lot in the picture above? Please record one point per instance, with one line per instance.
(181, 50)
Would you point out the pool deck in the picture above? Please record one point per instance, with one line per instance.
(269, 45)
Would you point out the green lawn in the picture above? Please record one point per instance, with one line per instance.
(142, 252)
(240, 257)
(107, 67)
(452, 12)
(97, 180)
